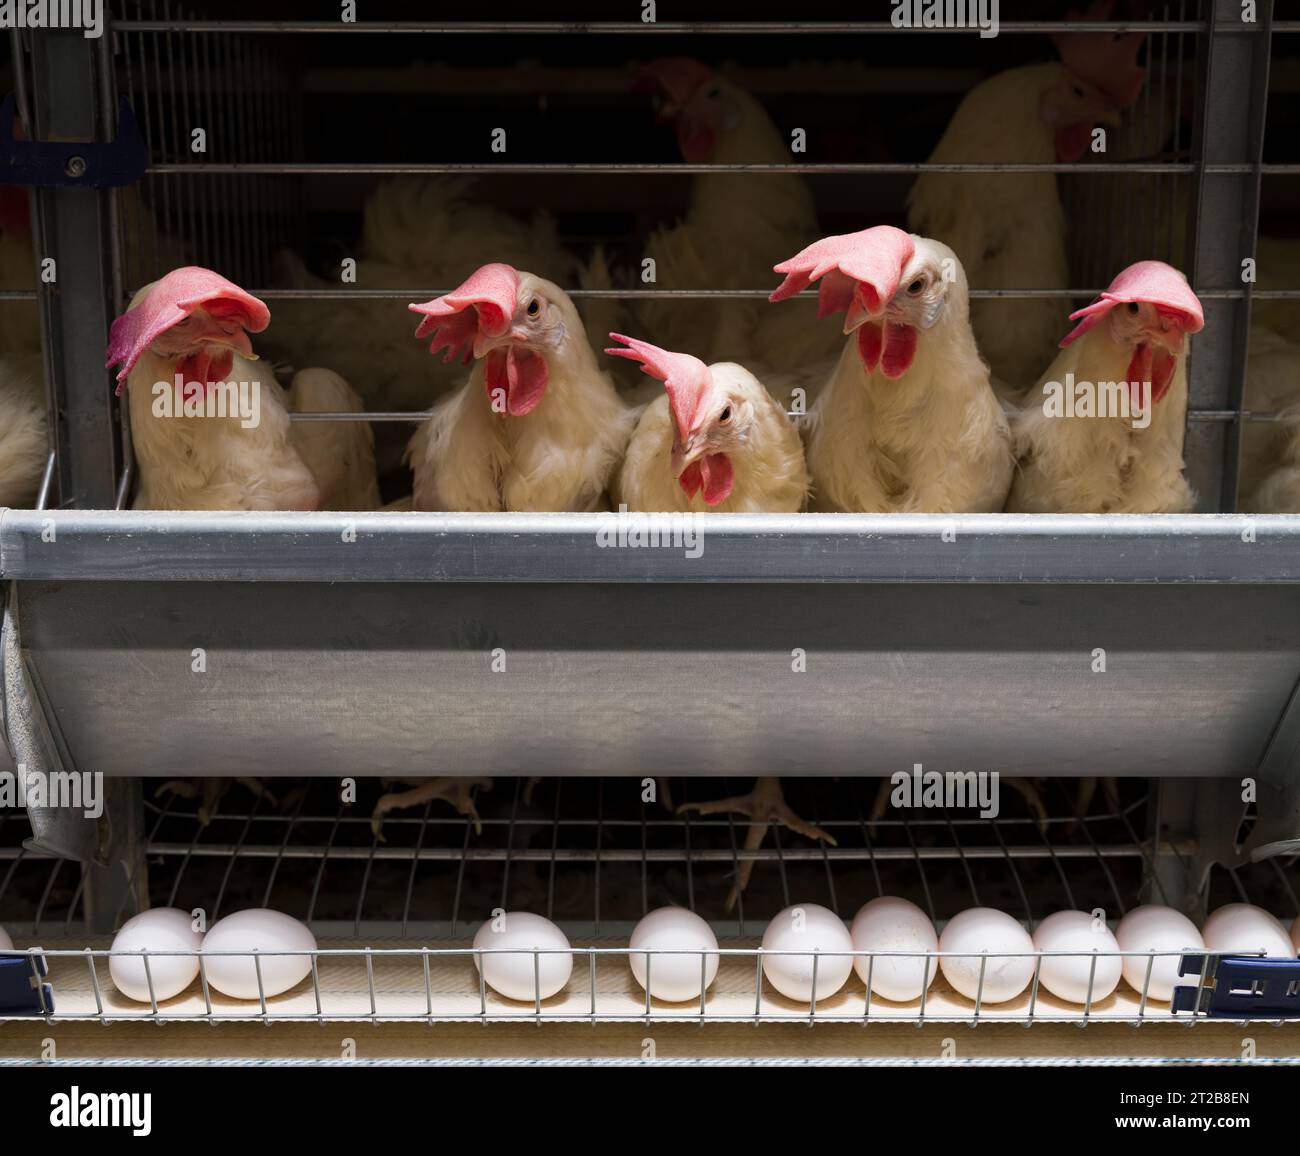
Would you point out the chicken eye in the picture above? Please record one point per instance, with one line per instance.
(1077, 91)
(1133, 307)
(534, 307)
(725, 415)
(916, 286)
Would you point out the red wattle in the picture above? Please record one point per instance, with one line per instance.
(1151, 366)
(696, 142)
(900, 348)
(1072, 142)
(888, 345)
(713, 475)
(521, 374)
(871, 340)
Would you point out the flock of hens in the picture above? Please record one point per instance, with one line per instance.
(920, 401)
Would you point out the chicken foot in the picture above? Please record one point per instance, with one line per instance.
(210, 792)
(765, 804)
(458, 792)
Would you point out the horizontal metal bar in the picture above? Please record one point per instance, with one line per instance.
(660, 28)
(1200, 415)
(383, 415)
(90, 545)
(410, 293)
(649, 855)
(880, 168)
(17, 294)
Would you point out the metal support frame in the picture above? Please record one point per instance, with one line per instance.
(1224, 225)
(76, 309)
(114, 877)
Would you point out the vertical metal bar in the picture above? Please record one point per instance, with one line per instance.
(826, 858)
(284, 843)
(600, 832)
(555, 848)
(510, 848)
(1015, 874)
(324, 859)
(233, 857)
(871, 852)
(1229, 130)
(76, 309)
(645, 882)
(462, 861)
(415, 864)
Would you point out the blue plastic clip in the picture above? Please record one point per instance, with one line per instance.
(22, 992)
(69, 163)
(1244, 987)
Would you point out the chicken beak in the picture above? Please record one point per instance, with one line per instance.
(1108, 114)
(238, 341)
(688, 452)
(1169, 335)
(485, 343)
(856, 316)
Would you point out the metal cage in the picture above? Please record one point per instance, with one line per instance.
(907, 615)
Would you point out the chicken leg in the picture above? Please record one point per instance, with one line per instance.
(764, 804)
(1088, 788)
(210, 792)
(458, 792)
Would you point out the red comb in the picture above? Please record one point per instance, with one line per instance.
(169, 301)
(482, 306)
(1106, 60)
(679, 77)
(15, 209)
(873, 258)
(1151, 281)
(686, 378)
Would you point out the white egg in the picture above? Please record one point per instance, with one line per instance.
(264, 932)
(984, 929)
(1156, 928)
(807, 927)
(530, 957)
(1242, 929)
(5, 942)
(1070, 976)
(892, 924)
(158, 930)
(674, 977)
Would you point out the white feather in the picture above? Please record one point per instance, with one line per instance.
(933, 441)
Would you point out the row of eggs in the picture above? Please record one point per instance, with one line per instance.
(167, 929)
(526, 956)
(1089, 965)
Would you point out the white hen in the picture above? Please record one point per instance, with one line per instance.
(1009, 229)
(716, 440)
(1102, 432)
(736, 227)
(538, 425)
(221, 439)
(908, 421)
(1270, 451)
(24, 432)
(418, 233)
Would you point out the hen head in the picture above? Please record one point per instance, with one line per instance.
(714, 414)
(512, 321)
(891, 286)
(1101, 77)
(705, 108)
(193, 316)
(1148, 309)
